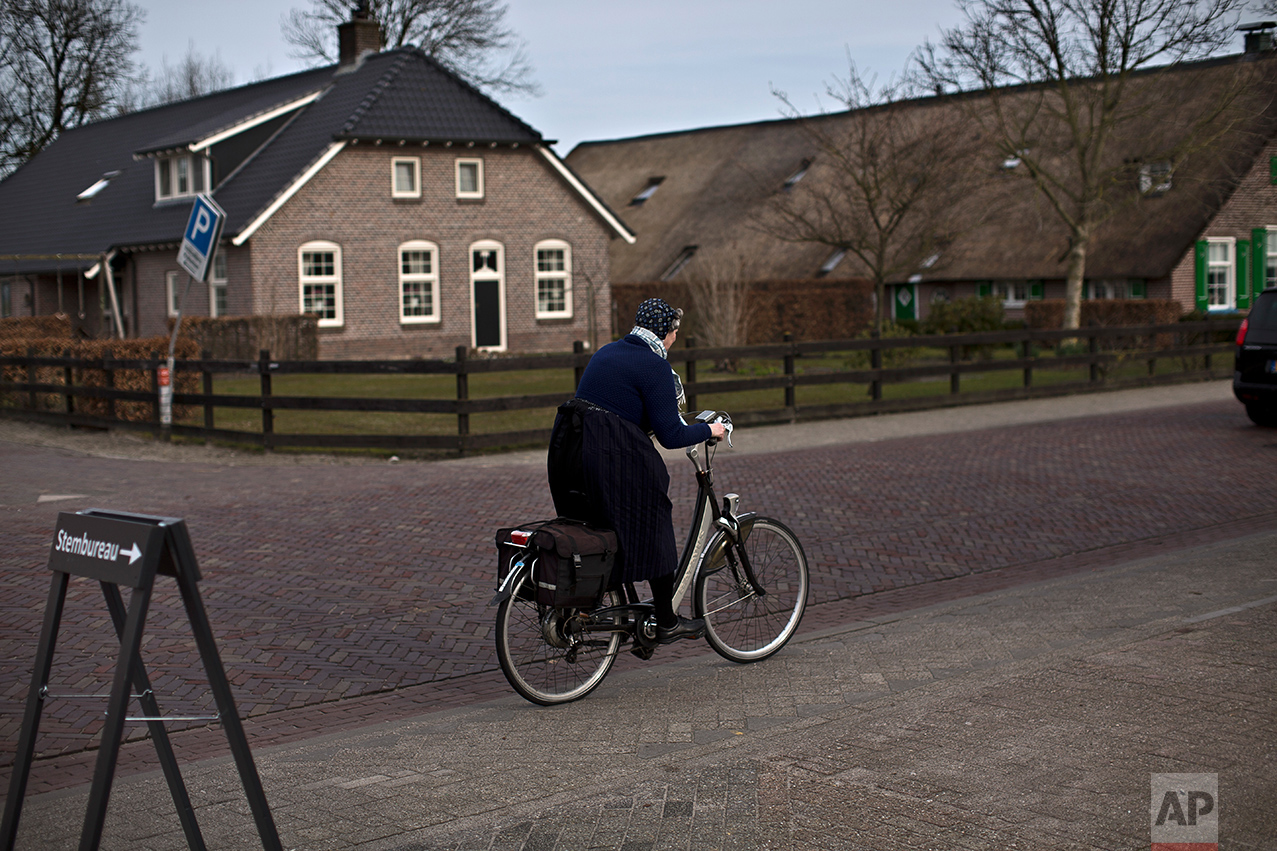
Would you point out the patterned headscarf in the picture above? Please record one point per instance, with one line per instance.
(657, 316)
(656, 319)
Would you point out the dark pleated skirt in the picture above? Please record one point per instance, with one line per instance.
(603, 469)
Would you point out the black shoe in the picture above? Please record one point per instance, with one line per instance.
(685, 628)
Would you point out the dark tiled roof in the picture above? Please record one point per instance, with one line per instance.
(416, 99)
(399, 94)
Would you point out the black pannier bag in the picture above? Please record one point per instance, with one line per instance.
(574, 563)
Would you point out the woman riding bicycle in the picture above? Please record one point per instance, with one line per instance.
(603, 468)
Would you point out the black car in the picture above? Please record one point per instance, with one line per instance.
(1255, 365)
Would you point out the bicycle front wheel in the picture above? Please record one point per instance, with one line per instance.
(742, 625)
(544, 651)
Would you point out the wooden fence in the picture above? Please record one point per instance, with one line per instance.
(47, 388)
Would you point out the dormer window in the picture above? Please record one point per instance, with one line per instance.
(181, 176)
(1155, 179)
(793, 179)
(91, 193)
(653, 183)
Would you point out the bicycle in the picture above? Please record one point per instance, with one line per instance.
(750, 581)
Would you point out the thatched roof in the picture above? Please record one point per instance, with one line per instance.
(716, 184)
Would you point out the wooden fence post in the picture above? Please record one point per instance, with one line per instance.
(578, 348)
(955, 377)
(1093, 346)
(206, 355)
(1027, 351)
(790, 401)
(875, 363)
(268, 413)
(463, 396)
(1210, 338)
(690, 343)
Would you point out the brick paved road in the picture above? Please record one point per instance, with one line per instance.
(329, 583)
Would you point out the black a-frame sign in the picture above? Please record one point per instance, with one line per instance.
(122, 549)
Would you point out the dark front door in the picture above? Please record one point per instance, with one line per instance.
(487, 314)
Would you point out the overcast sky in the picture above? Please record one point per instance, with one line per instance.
(610, 70)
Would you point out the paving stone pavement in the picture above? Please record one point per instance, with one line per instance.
(1031, 717)
(342, 591)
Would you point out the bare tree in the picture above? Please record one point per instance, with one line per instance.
(62, 63)
(888, 185)
(718, 288)
(193, 76)
(469, 37)
(1066, 84)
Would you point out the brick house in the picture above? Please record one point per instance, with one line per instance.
(408, 210)
(1201, 231)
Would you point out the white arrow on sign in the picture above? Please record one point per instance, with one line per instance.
(133, 554)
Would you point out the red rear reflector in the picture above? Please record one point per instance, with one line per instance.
(1241, 332)
(520, 538)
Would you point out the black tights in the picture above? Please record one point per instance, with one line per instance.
(663, 599)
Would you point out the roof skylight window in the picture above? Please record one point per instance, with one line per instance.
(684, 257)
(648, 191)
(793, 179)
(833, 261)
(90, 193)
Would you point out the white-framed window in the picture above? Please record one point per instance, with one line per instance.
(418, 282)
(172, 293)
(553, 279)
(469, 178)
(319, 281)
(487, 295)
(405, 177)
(217, 285)
(1013, 293)
(1221, 285)
(181, 176)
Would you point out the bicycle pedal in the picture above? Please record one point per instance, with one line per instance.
(643, 653)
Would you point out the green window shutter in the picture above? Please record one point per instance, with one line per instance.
(1272, 170)
(1036, 290)
(1258, 260)
(1242, 278)
(1137, 288)
(1199, 256)
(985, 289)
(1086, 290)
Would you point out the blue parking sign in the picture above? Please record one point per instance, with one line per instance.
(199, 242)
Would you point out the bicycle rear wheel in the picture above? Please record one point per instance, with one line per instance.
(740, 624)
(544, 653)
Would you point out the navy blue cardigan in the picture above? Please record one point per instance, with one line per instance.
(631, 380)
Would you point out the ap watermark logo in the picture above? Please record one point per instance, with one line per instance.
(1184, 812)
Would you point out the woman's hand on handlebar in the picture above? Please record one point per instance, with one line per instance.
(718, 430)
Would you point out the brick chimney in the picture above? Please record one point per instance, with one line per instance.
(357, 37)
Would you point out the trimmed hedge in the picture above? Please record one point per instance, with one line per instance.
(125, 379)
(293, 337)
(56, 326)
(1048, 315)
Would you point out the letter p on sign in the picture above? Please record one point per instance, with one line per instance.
(1183, 812)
